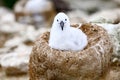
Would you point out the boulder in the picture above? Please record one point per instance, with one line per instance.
(4, 14)
(8, 30)
(89, 64)
(16, 62)
(114, 33)
(2, 39)
(106, 16)
(117, 1)
(38, 12)
(91, 6)
(77, 16)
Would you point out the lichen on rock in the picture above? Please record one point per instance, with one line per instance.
(89, 64)
(16, 62)
(114, 33)
(106, 16)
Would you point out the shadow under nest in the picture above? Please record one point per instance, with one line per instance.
(91, 63)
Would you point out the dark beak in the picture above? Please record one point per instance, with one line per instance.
(62, 24)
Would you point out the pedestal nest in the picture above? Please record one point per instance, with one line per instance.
(89, 64)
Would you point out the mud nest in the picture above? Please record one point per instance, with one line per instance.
(89, 64)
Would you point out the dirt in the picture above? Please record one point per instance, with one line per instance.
(4, 77)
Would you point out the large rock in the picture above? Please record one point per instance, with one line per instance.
(9, 30)
(117, 1)
(3, 38)
(114, 33)
(15, 46)
(91, 6)
(77, 16)
(106, 16)
(6, 15)
(13, 33)
(16, 62)
(38, 12)
(89, 64)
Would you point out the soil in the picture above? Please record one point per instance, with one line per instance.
(4, 77)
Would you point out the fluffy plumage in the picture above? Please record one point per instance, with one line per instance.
(65, 37)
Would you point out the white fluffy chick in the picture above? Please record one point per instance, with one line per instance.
(65, 37)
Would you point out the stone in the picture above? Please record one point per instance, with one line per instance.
(38, 14)
(89, 64)
(2, 39)
(92, 6)
(13, 34)
(4, 14)
(19, 9)
(12, 27)
(8, 31)
(117, 1)
(16, 42)
(114, 33)
(77, 16)
(37, 6)
(16, 62)
(106, 16)
(4, 20)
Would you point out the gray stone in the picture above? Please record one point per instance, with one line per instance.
(16, 62)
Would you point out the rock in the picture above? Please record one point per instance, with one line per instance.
(4, 20)
(89, 64)
(114, 32)
(6, 15)
(9, 30)
(13, 42)
(61, 6)
(38, 12)
(15, 46)
(12, 27)
(3, 50)
(19, 8)
(16, 62)
(91, 6)
(37, 6)
(12, 34)
(2, 40)
(77, 16)
(117, 1)
(30, 33)
(106, 16)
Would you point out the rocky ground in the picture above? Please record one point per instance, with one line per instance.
(20, 27)
(4, 77)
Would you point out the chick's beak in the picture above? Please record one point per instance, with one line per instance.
(62, 24)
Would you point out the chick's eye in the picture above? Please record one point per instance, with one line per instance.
(65, 19)
(57, 20)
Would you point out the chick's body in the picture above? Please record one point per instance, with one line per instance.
(67, 39)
